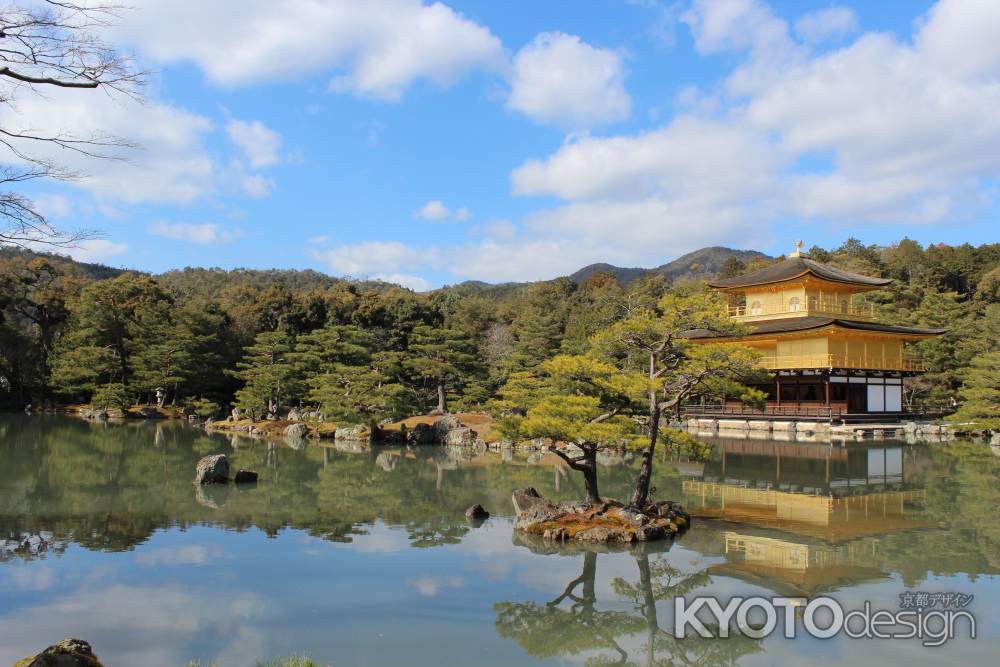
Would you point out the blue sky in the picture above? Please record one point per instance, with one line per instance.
(433, 143)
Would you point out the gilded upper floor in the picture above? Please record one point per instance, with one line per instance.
(799, 287)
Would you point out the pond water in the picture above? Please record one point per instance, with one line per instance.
(365, 557)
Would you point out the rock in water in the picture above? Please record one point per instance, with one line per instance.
(246, 477)
(421, 434)
(525, 499)
(296, 431)
(608, 521)
(212, 470)
(358, 433)
(67, 653)
(477, 513)
(450, 431)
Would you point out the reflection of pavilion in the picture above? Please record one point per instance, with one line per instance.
(810, 515)
(810, 469)
(796, 567)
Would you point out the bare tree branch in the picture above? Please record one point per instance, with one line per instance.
(55, 44)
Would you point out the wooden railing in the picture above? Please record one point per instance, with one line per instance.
(858, 311)
(796, 361)
(794, 410)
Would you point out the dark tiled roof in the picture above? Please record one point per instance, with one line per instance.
(794, 267)
(812, 322)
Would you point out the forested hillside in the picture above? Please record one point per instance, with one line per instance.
(265, 340)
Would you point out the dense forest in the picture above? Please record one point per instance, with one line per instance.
(266, 340)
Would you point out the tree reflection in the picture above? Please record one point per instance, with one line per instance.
(626, 634)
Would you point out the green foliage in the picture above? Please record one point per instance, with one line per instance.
(113, 395)
(446, 357)
(981, 392)
(349, 377)
(267, 373)
(572, 398)
(67, 329)
(204, 407)
(291, 661)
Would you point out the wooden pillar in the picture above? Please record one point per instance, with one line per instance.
(777, 390)
(827, 386)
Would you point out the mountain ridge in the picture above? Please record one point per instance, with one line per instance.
(704, 262)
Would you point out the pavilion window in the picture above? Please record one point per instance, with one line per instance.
(813, 303)
(794, 304)
(756, 308)
(843, 306)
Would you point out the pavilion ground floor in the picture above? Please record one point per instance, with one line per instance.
(822, 395)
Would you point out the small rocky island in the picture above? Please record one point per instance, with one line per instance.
(606, 522)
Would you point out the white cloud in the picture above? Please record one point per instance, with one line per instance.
(171, 163)
(96, 250)
(375, 49)
(160, 622)
(430, 586)
(257, 186)
(415, 283)
(697, 157)
(824, 24)
(371, 258)
(908, 128)
(559, 79)
(52, 206)
(203, 234)
(498, 230)
(31, 577)
(863, 133)
(436, 211)
(192, 554)
(259, 143)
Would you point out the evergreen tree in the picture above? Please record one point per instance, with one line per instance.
(269, 378)
(732, 267)
(575, 399)
(348, 376)
(981, 392)
(110, 322)
(443, 356)
(652, 342)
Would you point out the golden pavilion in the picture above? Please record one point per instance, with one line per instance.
(829, 357)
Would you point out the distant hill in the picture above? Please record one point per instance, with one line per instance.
(698, 264)
(208, 282)
(85, 269)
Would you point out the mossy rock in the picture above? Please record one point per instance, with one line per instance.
(66, 653)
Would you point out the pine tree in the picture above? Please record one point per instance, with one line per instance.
(267, 373)
(442, 356)
(575, 399)
(981, 392)
(652, 342)
(111, 321)
(348, 376)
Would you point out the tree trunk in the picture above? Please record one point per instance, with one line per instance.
(641, 494)
(442, 399)
(590, 481)
(648, 605)
(587, 465)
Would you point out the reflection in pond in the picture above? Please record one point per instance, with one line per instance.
(627, 633)
(363, 555)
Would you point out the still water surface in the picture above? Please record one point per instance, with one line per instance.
(365, 558)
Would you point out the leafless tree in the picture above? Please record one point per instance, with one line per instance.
(43, 46)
